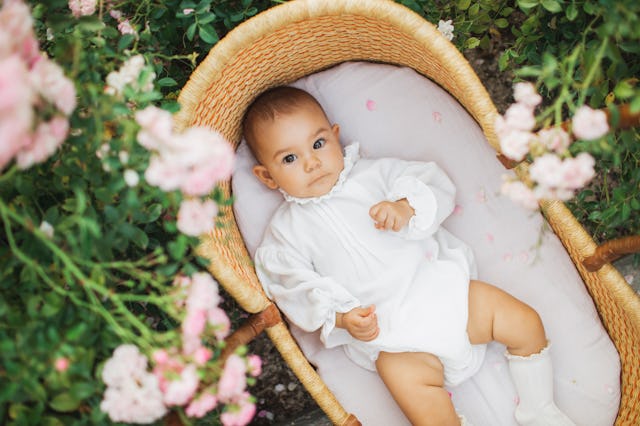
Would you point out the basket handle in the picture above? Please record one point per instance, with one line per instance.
(251, 329)
(625, 120)
(610, 251)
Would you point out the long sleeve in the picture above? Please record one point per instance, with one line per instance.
(427, 188)
(307, 299)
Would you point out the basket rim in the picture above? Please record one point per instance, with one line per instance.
(264, 23)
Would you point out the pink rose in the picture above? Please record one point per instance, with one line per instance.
(82, 7)
(190, 343)
(196, 217)
(515, 144)
(61, 364)
(160, 357)
(49, 80)
(525, 93)
(220, 322)
(520, 117)
(202, 355)
(46, 139)
(16, 32)
(254, 365)
(180, 391)
(157, 127)
(125, 27)
(555, 139)
(589, 124)
(547, 170)
(240, 413)
(233, 380)
(15, 90)
(519, 193)
(163, 173)
(202, 179)
(194, 322)
(126, 362)
(578, 171)
(203, 292)
(201, 405)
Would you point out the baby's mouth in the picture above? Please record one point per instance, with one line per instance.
(319, 178)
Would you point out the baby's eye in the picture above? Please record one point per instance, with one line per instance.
(319, 143)
(290, 158)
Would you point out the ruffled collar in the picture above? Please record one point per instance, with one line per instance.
(351, 156)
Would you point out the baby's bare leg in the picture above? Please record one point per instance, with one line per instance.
(416, 382)
(497, 315)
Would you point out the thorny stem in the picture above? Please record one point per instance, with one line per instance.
(91, 287)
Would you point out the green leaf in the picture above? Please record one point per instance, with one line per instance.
(463, 4)
(626, 212)
(526, 5)
(501, 23)
(412, 4)
(178, 248)
(140, 238)
(125, 41)
(208, 34)
(90, 23)
(471, 42)
(76, 331)
(191, 31)
(65, 403)
(552, 6)
(624, 90)
(571, 12)
(82, 390)
(167, 82)
(206, 18)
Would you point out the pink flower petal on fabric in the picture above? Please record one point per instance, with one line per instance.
(507, 257)
(437, 117)
(524, 257)
(481, 196)
(490, 237)
(371, 105)
(458, 210)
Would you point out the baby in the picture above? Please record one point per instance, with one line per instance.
(358, 251)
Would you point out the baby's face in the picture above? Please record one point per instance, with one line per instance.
(300, 152)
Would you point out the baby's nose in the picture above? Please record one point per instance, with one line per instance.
(312, 163)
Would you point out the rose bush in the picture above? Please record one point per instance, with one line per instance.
(107, 312)
(577, 54)
(101, 201)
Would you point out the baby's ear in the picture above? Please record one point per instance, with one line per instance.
(264, 176)
(336, 130)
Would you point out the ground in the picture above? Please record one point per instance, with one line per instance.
(281, 398)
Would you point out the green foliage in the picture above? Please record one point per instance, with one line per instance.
(105, 276)
(477, 23)
(577, 53)
(589, 55)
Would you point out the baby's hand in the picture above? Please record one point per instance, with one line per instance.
(391, 214)
(361, 323)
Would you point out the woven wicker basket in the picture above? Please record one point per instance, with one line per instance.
(301, 37)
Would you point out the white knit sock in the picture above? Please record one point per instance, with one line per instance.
(464, 421)
(533, 378)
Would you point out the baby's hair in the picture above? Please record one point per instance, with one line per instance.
(269, 104)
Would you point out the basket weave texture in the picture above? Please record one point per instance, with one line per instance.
(302, 37)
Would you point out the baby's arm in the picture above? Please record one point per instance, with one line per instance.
(391, 214)
(361, 323)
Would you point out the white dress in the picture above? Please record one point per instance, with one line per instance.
(323, 255)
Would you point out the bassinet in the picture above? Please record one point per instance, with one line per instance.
(305, 36)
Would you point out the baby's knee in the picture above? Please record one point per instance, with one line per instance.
(416, 367)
